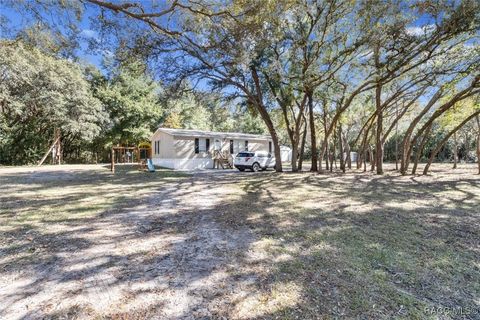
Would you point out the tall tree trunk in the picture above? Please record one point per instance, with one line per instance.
(467, 92)
(362, 154)
(349, 156)
(445, 139)
(379, 133)
(296, 142)
(478, 142)
(396, 153)
(302, 146)
(327, 157)
(276, 149)
(321, 156)
(466, 144)
(324, 146)
(379, 114)
(332, 158)
(340, 147)
(419, 152)
(372, 159)
(455, 151)
(396, 139)
(334, 152)
(359, 158)
(364, 144)
(292, 137)
(294, 157)
(262, 110)
(365, 160)
(276, 144)
(408, 134)
(313, 139)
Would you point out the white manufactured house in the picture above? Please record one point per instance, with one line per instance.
(194, 149)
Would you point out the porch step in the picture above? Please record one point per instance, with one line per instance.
(221, 158)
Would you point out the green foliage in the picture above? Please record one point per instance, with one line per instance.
(187, 112)
(131, 99)
(459, 112)
(94, 111)
(266, 56)
(39, 93)
(249, 122)
(207, 111)
(173, 121)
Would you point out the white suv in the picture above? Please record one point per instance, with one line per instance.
(254, 160)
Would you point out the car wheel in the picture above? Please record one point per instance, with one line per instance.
(241, 169)
(255, 167)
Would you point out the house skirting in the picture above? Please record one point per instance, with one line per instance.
(184, 164)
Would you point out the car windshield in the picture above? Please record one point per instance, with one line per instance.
(244, 154)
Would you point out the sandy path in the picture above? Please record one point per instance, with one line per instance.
(163, 256)
(77, 242)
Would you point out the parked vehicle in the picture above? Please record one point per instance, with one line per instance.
(254, 161)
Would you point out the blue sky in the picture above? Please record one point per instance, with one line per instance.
(87, 30)
(17, 22)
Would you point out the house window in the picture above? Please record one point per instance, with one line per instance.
(231, 146)
(246, 145)
(157, 147)
(202, 145)
(270, 146)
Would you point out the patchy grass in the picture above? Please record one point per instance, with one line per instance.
(77, 241)
(375, 247)
(68, 193)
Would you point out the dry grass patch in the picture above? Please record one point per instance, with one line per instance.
(79, 242)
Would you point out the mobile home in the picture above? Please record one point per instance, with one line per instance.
(194, 149)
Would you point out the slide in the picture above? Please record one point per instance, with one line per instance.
(150, 166)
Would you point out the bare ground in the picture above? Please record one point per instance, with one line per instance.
(79, 242)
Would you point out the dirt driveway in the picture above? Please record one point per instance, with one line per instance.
(79, 242)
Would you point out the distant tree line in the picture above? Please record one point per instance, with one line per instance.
(389, 80)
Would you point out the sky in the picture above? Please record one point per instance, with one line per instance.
(18, 21)
(87, 29)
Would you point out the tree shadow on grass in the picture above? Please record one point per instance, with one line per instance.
(246, 246)
(414, 247)
(80, 260)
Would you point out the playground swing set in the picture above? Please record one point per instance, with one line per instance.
(141, 154)
(55, 149)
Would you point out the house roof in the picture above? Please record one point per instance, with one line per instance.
(212, 134)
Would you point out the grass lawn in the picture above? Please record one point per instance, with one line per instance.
(79, 242)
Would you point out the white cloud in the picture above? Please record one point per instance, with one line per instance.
(87, 33)
(420, 30)
(107, 54)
